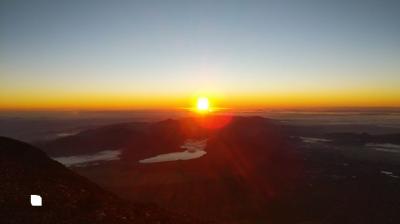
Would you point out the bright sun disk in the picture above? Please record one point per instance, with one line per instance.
(203, 104)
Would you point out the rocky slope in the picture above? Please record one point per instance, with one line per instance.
(67, 197)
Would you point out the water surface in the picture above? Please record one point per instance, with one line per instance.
(194, 150)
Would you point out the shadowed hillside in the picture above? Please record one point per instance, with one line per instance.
(253, 170)
(67, 197)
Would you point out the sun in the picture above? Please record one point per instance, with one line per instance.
(203, 105)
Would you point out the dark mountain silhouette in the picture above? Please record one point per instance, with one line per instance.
(248, 163)
(98, 139)
(252, 171)
(67, 197)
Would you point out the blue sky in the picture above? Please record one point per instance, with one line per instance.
(177, 47)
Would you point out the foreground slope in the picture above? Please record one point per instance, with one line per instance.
(67, 197)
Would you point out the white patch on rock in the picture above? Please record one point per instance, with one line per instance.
(36, 200)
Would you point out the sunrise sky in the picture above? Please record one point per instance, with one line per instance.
(163, 54)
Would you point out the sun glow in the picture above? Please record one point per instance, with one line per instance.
(203, 105)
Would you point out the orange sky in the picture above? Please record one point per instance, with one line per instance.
(241, 55)
(113, 101)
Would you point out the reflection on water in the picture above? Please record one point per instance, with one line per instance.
(106, 155)
(314, 140)
(194, 150)
(389, 173)
(385, 147)
(66, 134)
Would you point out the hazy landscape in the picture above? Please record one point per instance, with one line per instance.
(333, 167)
(207, 111)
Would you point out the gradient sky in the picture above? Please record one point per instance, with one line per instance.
(160, 54)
